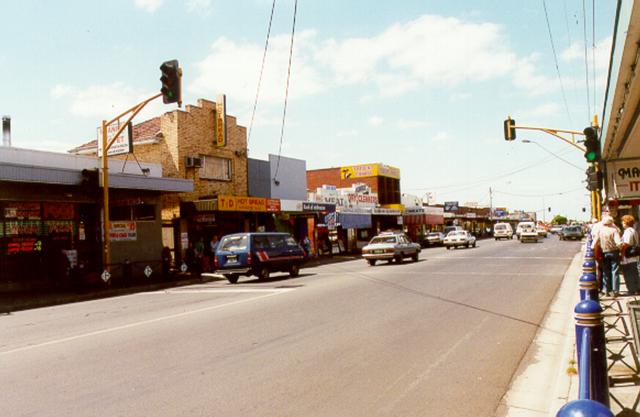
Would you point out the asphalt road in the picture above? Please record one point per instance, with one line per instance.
(441, 337)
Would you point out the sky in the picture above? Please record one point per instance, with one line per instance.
(420, 85)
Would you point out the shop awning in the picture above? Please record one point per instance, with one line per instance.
(354, 220)
(432, 219)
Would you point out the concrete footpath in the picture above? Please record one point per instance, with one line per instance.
(547, 377)
(14, 301)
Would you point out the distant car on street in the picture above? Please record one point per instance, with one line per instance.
(502, 231)
(522, 225)
(390, 247)
(528, 232)
(459, 238)
(571, 232)
(556, 229)
(434, 239)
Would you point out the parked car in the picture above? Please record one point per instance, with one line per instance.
(541, 231)
(390, 247)
(259, 254)
(459, 238)
(502, 231)
(434, 239)
(449, 229)
(528, 232)
(571, 232)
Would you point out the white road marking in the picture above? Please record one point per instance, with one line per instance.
(221, 290)
(139, 323)
(501, 257)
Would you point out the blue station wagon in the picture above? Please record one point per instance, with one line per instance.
(259, 254)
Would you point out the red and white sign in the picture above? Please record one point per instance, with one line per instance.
(122, 145)
(123, 231)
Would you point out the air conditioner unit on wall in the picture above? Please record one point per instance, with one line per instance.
(193, 162)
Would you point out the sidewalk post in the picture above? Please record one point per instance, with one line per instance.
(588, 314)
(585, 408)
(588, 280)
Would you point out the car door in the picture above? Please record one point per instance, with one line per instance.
(277, 252)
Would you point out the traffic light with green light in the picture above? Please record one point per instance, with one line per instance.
(509, 129)
(171, 82)
(592, 145)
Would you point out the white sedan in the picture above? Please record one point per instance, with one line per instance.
(459, 238)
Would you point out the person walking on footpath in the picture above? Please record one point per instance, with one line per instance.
(213, 246)
(629, 263)
(608, 237)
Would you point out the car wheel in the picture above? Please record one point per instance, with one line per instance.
(415, 257)
(474, 244)
(264, 273)
(398, 259)
(232, 278)
(448, 247)
(372, 262)
(466, 246)
(294, 271)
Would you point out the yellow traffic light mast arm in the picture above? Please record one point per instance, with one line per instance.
(554, 132)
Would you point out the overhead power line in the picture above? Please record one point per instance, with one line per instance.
(555, 58)
(264, 58)
(286, 93)
(586, 60)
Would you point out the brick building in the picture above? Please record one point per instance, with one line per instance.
(185, 143)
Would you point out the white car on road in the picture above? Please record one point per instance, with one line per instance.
(459, 238)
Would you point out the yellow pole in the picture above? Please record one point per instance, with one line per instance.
(106, 256)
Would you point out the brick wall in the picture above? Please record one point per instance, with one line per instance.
(191, 133)
(316, 178)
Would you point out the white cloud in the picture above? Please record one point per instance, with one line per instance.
(202, 7)
(527, 77)
(347, 133)
(575, 52)
(411, 124)
(456, 97)
(149, 6)
(376, 121)
(547, 109)
(233, 68)
(440, 137)
(105, 101)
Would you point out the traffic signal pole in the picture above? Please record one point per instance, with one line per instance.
(106, 144)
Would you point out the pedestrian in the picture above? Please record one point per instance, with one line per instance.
(608, 237)
(166, 261)
(629, 263)
(213, 246)
(597, 252)
(190, 257)
(199, 252)
(306, 245)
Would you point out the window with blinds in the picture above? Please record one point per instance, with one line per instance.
(215, 168)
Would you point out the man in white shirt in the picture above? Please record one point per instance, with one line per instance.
(608, 238)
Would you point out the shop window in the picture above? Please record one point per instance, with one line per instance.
(215, 168)
(120, 213)
(144, 212)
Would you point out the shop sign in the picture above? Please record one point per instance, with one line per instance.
(122, 145)
(320, 207)
(221, 121)
(434, 210)
(370, 200)
(123, 231)
(22, 210)
(414, 210)
(381, 211)
(400, 220)
(231, 203)
(471, 215)
(72, 257)
(331, 220)
(451, 206)
(273, 205)
(623, 179)
(19, 245)
(448, 215)
(291, 205)
(369, 170)
(205, 218)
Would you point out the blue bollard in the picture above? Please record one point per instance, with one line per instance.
(584, 408)
(589, 281)
(588, 314)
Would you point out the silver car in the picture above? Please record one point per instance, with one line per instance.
(390, 247)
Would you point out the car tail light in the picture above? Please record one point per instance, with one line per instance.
(389, 250)
(215, 261)
(249, 258)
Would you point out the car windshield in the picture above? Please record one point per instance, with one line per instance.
(383, 239)
(233, 243)
(433, 234)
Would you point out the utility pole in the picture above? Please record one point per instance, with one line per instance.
(490, 204)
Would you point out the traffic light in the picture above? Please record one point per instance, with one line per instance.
(171, 82)
(509, 129)
(90, 181)
(594, 179)
(592, 145)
